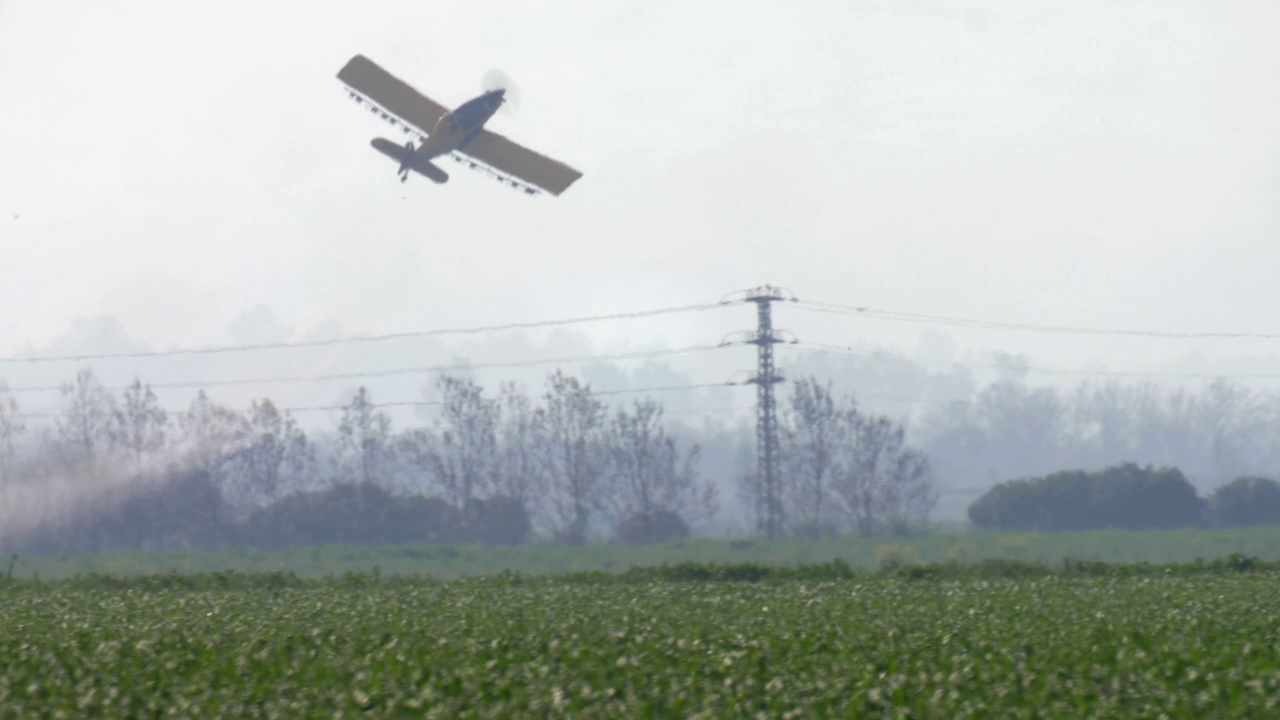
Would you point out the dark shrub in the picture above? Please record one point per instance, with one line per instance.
(655, 526)
(1123, 497)
(363, 514)
(498, 520)
(1246, 501)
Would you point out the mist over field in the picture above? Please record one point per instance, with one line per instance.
(640, 358)
(1027, 239)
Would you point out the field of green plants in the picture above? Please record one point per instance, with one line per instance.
(1016, 642)
(443, 561)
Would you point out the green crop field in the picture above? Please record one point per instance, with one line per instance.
(1155, 546)
(1184, 643)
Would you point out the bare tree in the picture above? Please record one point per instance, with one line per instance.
(86, 424)
(648, 475)
(1168, 432)
(415, 450)
(908, 493)
(1229, 415)
(519, 474)
(364, 440)
(11, 426)
(881, 479)
(464, 457)
(1025, 428)
(812, 429)
(271, 451)
(209, 435)
(572, 454)
(141, 423)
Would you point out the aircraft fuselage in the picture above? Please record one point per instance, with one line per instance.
(452, 132)
(457, 128)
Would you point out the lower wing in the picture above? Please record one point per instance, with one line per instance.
(520, 162)
(394, 96)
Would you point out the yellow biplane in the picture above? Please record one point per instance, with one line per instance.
(457, 133)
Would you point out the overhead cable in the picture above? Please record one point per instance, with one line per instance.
(431, 403)
(370, 338)
(899, 316)
(845, 350)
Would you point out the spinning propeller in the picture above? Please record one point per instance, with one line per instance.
(498, 80)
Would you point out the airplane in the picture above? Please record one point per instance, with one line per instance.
(457, 133)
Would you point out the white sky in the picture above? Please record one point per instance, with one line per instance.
(1082, 162)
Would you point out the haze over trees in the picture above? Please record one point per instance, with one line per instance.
(499, 467)
(846, 468)
(566, 463)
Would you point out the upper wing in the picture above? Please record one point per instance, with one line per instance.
(505, 156)
(394, 96)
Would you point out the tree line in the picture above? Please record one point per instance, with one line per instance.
(841, 467)
(978, 432)
(1124, 496)
(499, 467)
(562, 466)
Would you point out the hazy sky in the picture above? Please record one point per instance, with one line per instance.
(198, 176)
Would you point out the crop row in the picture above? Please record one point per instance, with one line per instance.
(1178, 647)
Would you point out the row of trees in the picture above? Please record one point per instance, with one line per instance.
(562, 461)
(841, 467)
(1123, 496)
(494, 467)
(977, 432)
(562, 465)
(1011, 429)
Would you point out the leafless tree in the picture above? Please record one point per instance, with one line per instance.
(86, 425)
(572, 454)
(364, 440)
(648, 473)
(847, 464)
(813, 426)
(1229, 416)
(909, 495)
(519, 474)
(11, 426)
(141, 423)
(415, 450)
(463, 459)
(271, 451)
(882, 481)
(1025, 428)
(209, 435)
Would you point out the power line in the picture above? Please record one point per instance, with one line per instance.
(373, 338)
(432, 403)
(899, 316)
(594, 393)
(666, 388)
(845, 350)
(437, 369)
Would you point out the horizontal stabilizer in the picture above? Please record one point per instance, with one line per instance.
(393, 150)
(405, 156)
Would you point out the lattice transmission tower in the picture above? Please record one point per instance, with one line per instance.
(769, 510)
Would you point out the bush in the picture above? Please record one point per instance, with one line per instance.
(499, 520)
(363, 514)
(655, 526)
(1124, 497)
(1246, 501)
